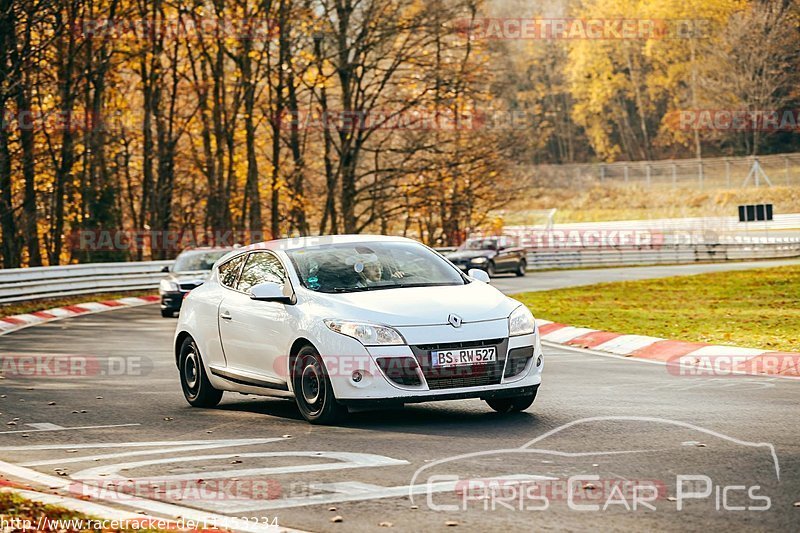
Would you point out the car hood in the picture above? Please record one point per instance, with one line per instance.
(469, 254)
(415, 306)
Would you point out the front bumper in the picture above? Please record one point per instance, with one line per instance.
(361, 377)
(464, 395)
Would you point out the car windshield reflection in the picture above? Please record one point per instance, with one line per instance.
(371, 266)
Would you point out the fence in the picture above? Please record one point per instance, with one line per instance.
(720, 172)
(20, 284)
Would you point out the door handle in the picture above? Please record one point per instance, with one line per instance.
(226, 315)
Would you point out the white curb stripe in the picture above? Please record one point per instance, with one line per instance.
(728, 351)
(566, 334)
(627, 344)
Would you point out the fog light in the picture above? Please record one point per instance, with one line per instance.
(539, 361)
(357, 376)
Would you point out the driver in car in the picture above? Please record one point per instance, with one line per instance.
(370, 270)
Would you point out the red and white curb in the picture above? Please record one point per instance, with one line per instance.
(685, 358)
(16, 322)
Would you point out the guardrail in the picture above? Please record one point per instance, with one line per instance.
(21, 284)
(539, 259)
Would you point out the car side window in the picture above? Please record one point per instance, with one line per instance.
(229, 270)
(261, 267)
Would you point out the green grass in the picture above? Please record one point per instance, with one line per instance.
(14, 507)
(752, 308)
(44, 304)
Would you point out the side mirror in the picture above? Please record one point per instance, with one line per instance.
(165, 269)
(478, 274)
(269, 291)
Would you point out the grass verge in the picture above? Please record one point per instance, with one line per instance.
(757, 308)
(17, 511)
(49, 303)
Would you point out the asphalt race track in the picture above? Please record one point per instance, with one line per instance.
(634, 425)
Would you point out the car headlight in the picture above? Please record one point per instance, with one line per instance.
(521, 322)
(367, 334)
(478, 260)
(167, 285)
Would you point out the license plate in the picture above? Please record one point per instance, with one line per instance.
(464, 356)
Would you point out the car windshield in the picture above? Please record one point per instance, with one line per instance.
(480, 244)
(197, 260)
(371, 266)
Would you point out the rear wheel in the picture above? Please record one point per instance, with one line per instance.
(512, 405)
(312, 388)
(197, 389)
(521, 268)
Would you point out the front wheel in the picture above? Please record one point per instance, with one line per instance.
(521, 268)
(197, 389)
(167, 313)
(312, 389)
(512, 405)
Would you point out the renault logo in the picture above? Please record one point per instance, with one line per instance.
(454, 320)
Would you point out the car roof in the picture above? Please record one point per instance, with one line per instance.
(296, 243)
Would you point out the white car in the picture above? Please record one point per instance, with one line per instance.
(348, 321)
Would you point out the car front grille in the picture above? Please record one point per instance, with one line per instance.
(461, 375)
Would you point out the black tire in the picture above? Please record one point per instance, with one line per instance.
(197, 389)
(521, 268)
(312, 388)
(167, 313)
(511, 405)
(490, 269)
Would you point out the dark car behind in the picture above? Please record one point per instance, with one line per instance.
(190, 270)
(495, 255)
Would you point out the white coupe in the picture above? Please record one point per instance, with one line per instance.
(348, 321)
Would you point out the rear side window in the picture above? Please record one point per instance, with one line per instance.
(229, 270)
(261, 267)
